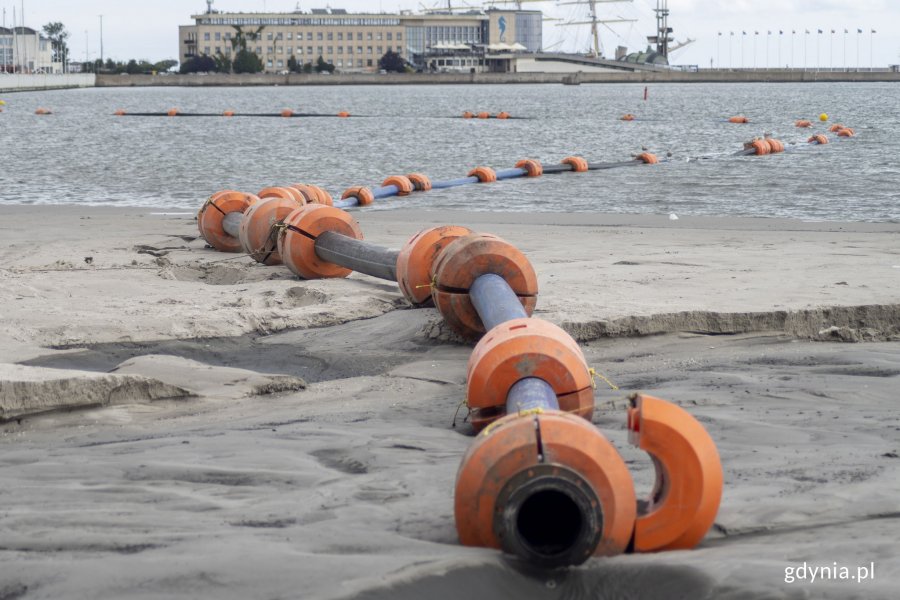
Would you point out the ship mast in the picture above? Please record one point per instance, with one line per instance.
(594, 21)
(662, 39)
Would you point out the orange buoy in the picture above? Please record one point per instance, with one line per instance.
(297, 240)
(421, 183)
(524, 348)
(119, 113)
(363, 195)
(281, 192)
(803, 123)
(172, 112)
(258, 234)
(43, 111)
(343, 114)
(739, 119)
(313, 194)
(846, 132)
(468, 115)
(503, 115)
(508, 467)
(534, 167)
(213, 213)
(484, 174)
(818, 139)
(404, 185)
(685, 499)
(416, 261)
(228, 113)
(579, 165)
(286, 112)
(466, 259)
(775, 146)
(760, 147)
(648, 158)
(484, 115)
(627, 117)
(835, 128)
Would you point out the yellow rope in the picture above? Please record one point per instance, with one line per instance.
(597, 375)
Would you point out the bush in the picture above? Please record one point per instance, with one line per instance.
(199, 64)
(247, 62)
(321, 66)
(392, 62)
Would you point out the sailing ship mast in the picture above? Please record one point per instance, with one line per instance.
(594, 21)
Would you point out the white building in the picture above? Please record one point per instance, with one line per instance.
(24, 50)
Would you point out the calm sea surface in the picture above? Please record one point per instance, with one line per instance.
(82, 154)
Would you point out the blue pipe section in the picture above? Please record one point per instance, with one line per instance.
(495, 301)
(531, 393)
(385, 192)
(510, 173)
(439, 185)
(496, 304)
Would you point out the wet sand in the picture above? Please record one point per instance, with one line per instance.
(261, 436)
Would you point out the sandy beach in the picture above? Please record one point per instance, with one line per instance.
(176, 422)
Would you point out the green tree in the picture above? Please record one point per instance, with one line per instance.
(57, 34)
(392, 62)
(164, 65)
(321, 66)
(308, 68)
(199, 64)
(247, 62)
(132, 67)
(292, 64)
(223, 63)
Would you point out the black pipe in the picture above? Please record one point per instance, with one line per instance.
(357, 255)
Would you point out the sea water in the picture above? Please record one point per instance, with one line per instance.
(83, 154)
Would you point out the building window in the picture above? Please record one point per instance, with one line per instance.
(309, 49)
(340, 63)
(319, 36)
(269, 63)
(259, 49)
(378, 36)
(280, 63)
(319, 50)
(206, 50)
(369, 35)
(359, 37)
(399, 36)
(206, 36)
(349, 49)
(340, 36)
(369, 63)
(380, 50)
(340, 50)
(330, 36)
(330, 50)
(290, 35)
(218, 36)
(269, 37)
(359, 50)
(359, 62)
(390, 36)
(279, 49)
(269, 50)
(309, 36)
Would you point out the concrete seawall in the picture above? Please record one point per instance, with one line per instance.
(30, 83)
(761, 76)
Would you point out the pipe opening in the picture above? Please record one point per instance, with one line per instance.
(549, 523)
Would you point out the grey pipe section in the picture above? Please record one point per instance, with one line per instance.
(357, 255)
(530, 393)
(232, 223)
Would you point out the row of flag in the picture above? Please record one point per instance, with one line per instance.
(781, 32)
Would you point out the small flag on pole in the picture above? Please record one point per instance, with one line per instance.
(859, 31)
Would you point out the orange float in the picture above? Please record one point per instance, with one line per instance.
(775, 146)
(297, 240)
(287, 193)
(534, 167)
(484, 174)
(468, 115)
(313, 194)
(523, 348)
(835, 128)
(846, 132)
(213, 213)
(688, 489)
(258, 235)
(484, 115)
(403, 184)
(286, 112)
(363, 195)
(417, 258)
(803, 123)
(628, 117)
(818, 139)
(760, 147)
(43, 111)
(343, 114)
(172, 112)
(579, 165)
(120, 113)
(503, 115)
(420, 182)
(648, 158)
(228, 113)
(522, 470)
(466, 259)
(738, 119)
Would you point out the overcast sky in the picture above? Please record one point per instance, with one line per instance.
(149, 29)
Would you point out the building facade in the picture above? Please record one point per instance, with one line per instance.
(354, 42)
(24, 50)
